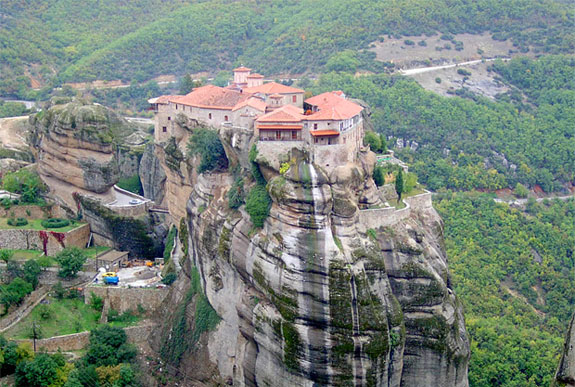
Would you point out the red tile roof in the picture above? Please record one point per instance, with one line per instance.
(255, 75)
(273, 88)
(280, 127)
(332, 107)
(286, 113)
(317, 133)
(242, 69)
(254, 102)
(211, 97)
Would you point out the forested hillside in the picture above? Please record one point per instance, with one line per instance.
(475, 143)
(514, 273)
(66, 40)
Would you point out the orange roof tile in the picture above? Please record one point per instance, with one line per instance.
(280, 127)
(286, 113)
(254, 102)
(273, 88)
(317, 133)
(332, 107)
(211, 97)
(162, 99)
(255, 75)
(242, 69)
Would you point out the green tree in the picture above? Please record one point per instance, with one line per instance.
(14, 292)
(258, 205)
(31, 271)
(378, 176)
(236, 194)
(186, 84)
(373, 140)
(399, 184)
(222, 78)
(6, 255)
(71, 260)
(206, 143)
(39, 372)
(24, 182)
(520, 191)
(345, 61)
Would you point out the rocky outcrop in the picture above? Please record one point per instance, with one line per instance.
(75, 144)
(566, 371)
(311, 298)
(152, 175)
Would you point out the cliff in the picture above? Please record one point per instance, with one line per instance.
(566, 371)
(314, 297)
(75, 144)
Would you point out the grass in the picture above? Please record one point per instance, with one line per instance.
(24, 255)
(66, 317)
(36, 224)
(91, 252)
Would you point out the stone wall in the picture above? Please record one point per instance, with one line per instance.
(77, 341)
(123, 299)
(36, 212)
(31, 239)
(385, 217)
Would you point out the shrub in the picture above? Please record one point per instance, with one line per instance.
(374, 141)
(258, 205)
(169, 278)
(71, 260)
(17, 222)
(437, 80)
(55, 223)
(207, 144)
(96, 302)
(25, 182)
(422, 43)
(408, 42)
(378, 176)
(464, 72)
(236, 194)
(521, 191)
(45, 312)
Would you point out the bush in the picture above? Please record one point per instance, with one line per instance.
(378, 176)
(207, 144)
(258, 205)
(24, 182)
(17, 222)
(236, 194)
(169, 278)
(409, 42)
(71, 260)
(422, 43)
(55, 223)
(437, 80)
(464, 72)
(96, 302)
(521, 191)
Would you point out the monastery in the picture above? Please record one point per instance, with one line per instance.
(275, 112)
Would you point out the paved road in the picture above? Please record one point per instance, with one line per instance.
(539, 200)
(140, 120)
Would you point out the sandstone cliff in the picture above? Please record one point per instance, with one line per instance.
(566, 371)
(314, 297)
(75, 144)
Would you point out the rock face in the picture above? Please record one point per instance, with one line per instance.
(566, 371)
(312, 298)
(74, 142)
(152, 175)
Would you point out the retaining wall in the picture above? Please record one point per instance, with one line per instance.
(31, 240)
(123, 299)
(385, 217)
(36, 212)
(130, 210)
(77, 341)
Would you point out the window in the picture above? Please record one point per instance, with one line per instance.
(315, 140)
(169, 118)
(314, 126)
(176, 106)
(340, 125)
(164, 129)
(278, 135)
(294, 134)
(294, 98)
(210, 116)
(225, 118)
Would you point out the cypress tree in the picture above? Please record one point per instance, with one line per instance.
(399, 184)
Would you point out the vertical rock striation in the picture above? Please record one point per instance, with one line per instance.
(566, 371)
(312, 298)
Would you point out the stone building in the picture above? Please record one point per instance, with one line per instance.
(327, 123)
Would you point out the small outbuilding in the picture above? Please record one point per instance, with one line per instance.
(111, 260)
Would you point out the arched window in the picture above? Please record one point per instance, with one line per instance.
(210, 116)
(225, 118)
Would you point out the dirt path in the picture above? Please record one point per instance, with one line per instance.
(13, 132)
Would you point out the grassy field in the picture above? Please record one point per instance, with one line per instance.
(24, 255)
(91, 252)
(36, 224)
(62, 317)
